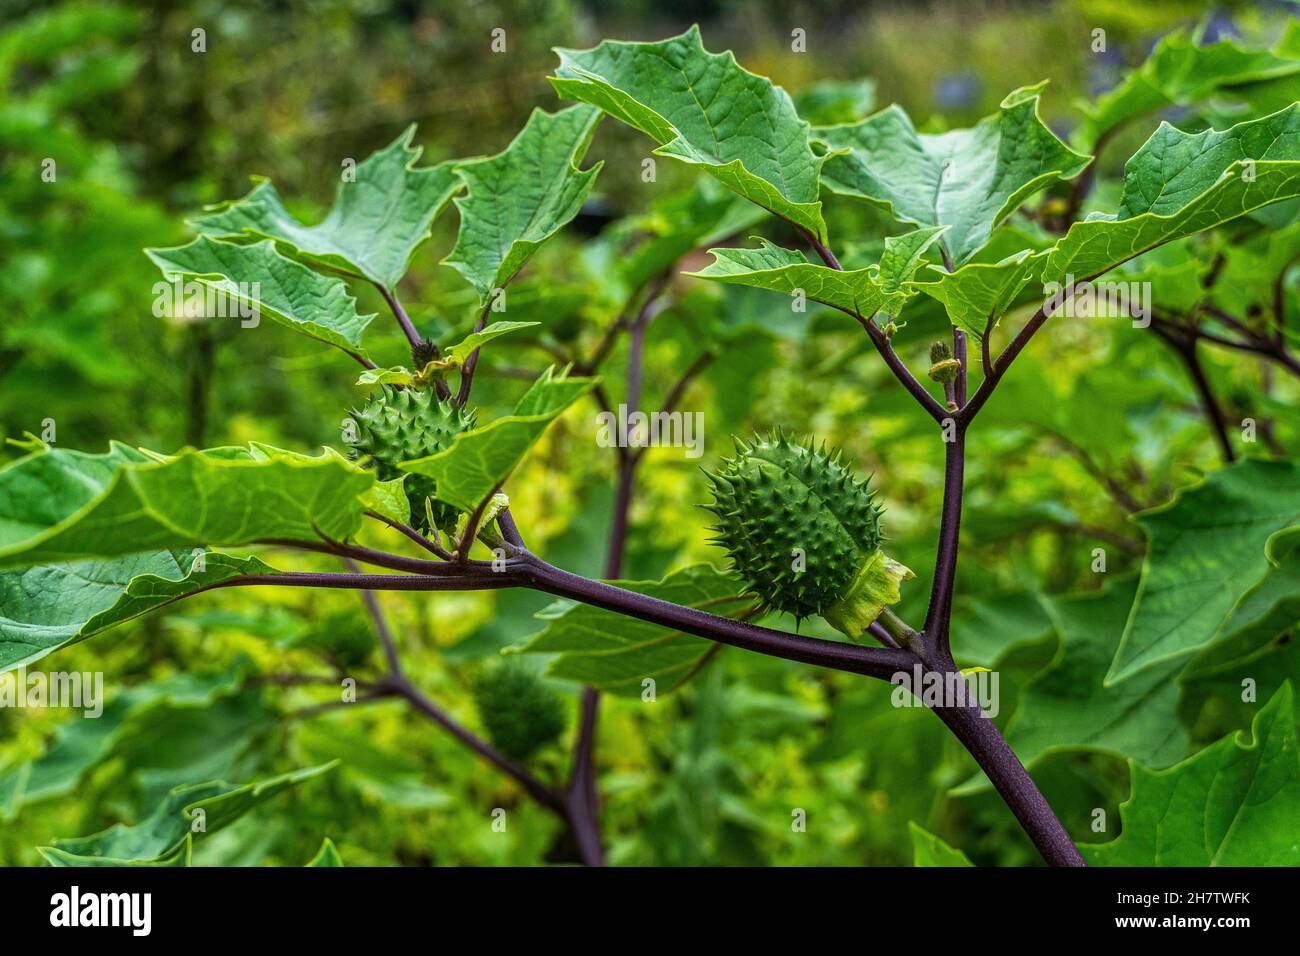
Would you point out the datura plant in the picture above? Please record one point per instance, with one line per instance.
(777, 498)
(971, 241)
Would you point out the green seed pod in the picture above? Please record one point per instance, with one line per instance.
(522, 713)
(804, 532)
(398, 425)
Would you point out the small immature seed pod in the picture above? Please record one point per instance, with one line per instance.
(398, 425)
(520, 710)
(776, 499)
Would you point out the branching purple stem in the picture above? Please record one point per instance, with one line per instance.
(399, 313)
(932, 652)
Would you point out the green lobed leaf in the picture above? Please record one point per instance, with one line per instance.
(1264, 612)
(179, 857)
(452, 357)
(704, 109)
(521, 197)
(377, 220)
(1179, 184)
(165, 834)
(59, 506)
(480, 459)
(615, 653)
(280, 289)
(50, 606)
(979, 293)
(986, 628)
(176, 745)
(1206, 550)
(389, 498)
(79, 745)
(929, 850)
(1069, 707)
(458, 353)
(397, 375)
(1236, 803)
(966, 179)
(1181, 72)
(860, 292)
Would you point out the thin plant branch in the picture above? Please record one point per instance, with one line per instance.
(399, 313)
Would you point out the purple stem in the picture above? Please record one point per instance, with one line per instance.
(980, 736)
(398, 684)
(883, 345)
(954, 468)
(471, 363)
(1185, 346)
(399, 313)
(584, 793)
(881, 662)
(945, 564)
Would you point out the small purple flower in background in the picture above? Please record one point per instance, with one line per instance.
(1105, 69)
(1218, 26)
(957, 91)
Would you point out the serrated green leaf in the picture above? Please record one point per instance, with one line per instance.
(704, 109)
(1236, 803)
(1206, 550)
(480, 459)
(389, 498)
(397, 375)
(171, 745)
(180, 857)
(1180, 72)
(377, 220)
(929, 850)
(48, 607)
(458, 353)
(979, 293)
(58, 506)
(1264, 612)
(165, 832)
(966, 179)
(616, 653)
(280, 289)
(860, 292)
(1068, 707)
(1179, 184)
(79, 745)
(986, 628)
(521, 197)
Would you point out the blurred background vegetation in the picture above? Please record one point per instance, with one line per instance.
(146, 131)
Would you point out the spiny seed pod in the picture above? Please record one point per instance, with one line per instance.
(804, 532)
(522, 713)
(398, 425)
(943, 367)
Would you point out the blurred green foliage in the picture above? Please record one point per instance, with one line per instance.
(144, 131)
